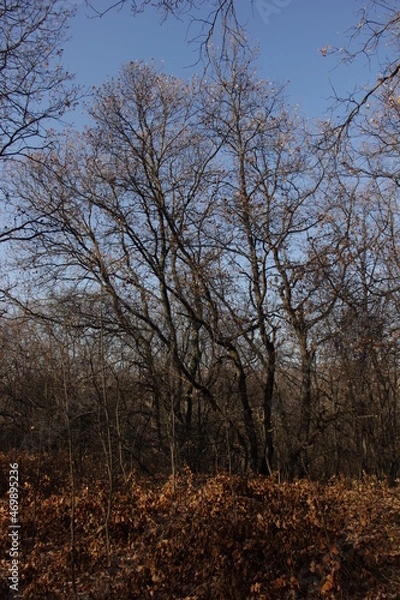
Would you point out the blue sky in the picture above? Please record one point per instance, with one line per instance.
(290, 34)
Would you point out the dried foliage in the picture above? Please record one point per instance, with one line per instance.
(218, 537)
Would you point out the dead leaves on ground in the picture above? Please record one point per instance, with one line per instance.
(222, 537)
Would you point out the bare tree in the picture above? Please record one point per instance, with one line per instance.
(374, 38)
(207, 21)
(35, 88)
(122, 210)
(223, 238)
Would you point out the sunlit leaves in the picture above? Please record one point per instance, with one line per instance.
(222, 537)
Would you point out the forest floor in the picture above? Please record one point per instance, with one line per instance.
(223, 537)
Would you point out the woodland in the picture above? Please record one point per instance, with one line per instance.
(198, 322)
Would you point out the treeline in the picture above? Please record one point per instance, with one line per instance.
(204, 278)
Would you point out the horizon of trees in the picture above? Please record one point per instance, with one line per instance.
(204, 278)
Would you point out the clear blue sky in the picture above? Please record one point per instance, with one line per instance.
(290, 39)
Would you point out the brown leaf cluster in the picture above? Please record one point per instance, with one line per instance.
(222, 537)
